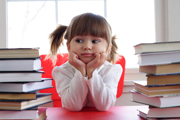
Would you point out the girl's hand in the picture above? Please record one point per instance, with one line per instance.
(77, 63)
(99, 60)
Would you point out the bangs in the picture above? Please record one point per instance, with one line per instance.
(90, 24)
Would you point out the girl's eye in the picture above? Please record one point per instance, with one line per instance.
(79, 41)
(95, 41)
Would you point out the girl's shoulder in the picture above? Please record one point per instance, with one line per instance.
(108, 64)
(66, 67)
(63, 66)
(108, 67)
(66, 64)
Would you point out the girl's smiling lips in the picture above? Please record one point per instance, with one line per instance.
(87, 54)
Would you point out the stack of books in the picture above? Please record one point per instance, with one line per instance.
(20, 81)
(160, 62)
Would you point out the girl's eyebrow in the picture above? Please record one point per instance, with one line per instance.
(99, 38)
(78, 36)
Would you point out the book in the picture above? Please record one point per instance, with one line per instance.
(160, 113)
(20, 76)
(160, 101)
(162, 79)
(156, 90)
(24, 114)
(143, 114)
(25, 104)
(41, 114)
(157, 47)
(17, 96)
(30, 114)
(20, 64)
(159, 58)
(160, 69)
(26, 86)
(19, 52)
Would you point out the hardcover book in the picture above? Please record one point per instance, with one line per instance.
(159, 58)
(18, 115)
(26, 86)
(17, 96)
(25, 104)
(19, 52)
(20, 64)
(156, 90)
(157, 47)
(160, 101)
(160, 113)
(163, 79)
(41, 114)
(20, 76)
(160, 69)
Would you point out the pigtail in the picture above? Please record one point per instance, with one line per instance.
(113, 56)
(56, 40)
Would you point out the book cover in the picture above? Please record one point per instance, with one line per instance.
(162, 79)
(160, 102)
(20, 76)
(19, 52)
(41, 113)
(26, 86)
(25, 104)
(160, 69)
(38, 95)
(157, 47)
(30, 64)
(17, 95)
(156, 90)
(22, 48)
(159, 58)
(34, 58)
(18, 115)
(144, 113)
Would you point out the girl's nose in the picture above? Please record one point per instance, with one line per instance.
(87, 46)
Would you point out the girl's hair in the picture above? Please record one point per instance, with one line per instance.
(84, 24)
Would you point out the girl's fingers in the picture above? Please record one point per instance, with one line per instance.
(97, 57)
(103, 56)
(75, 55)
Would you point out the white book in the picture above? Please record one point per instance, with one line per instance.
(157, 47)
(25, 114)
(160, 113)
(160, 102)
(159, 58)
(21, 64)
(25, 87)
(20, 76)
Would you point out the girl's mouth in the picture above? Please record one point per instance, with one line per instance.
(87, 54)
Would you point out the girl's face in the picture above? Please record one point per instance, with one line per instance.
(86, 47)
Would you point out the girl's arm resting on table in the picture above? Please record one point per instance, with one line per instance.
(71, 88)
(103, 88)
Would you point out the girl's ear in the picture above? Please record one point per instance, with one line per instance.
(109, 49)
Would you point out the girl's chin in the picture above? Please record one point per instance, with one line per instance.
(86, 61)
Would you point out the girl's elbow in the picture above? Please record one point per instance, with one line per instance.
(102, 109)
(75, 108)
(105, 106)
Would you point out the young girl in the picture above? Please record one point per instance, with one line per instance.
(89, 78)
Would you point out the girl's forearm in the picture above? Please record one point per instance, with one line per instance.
(82, 70)
(89, 72)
